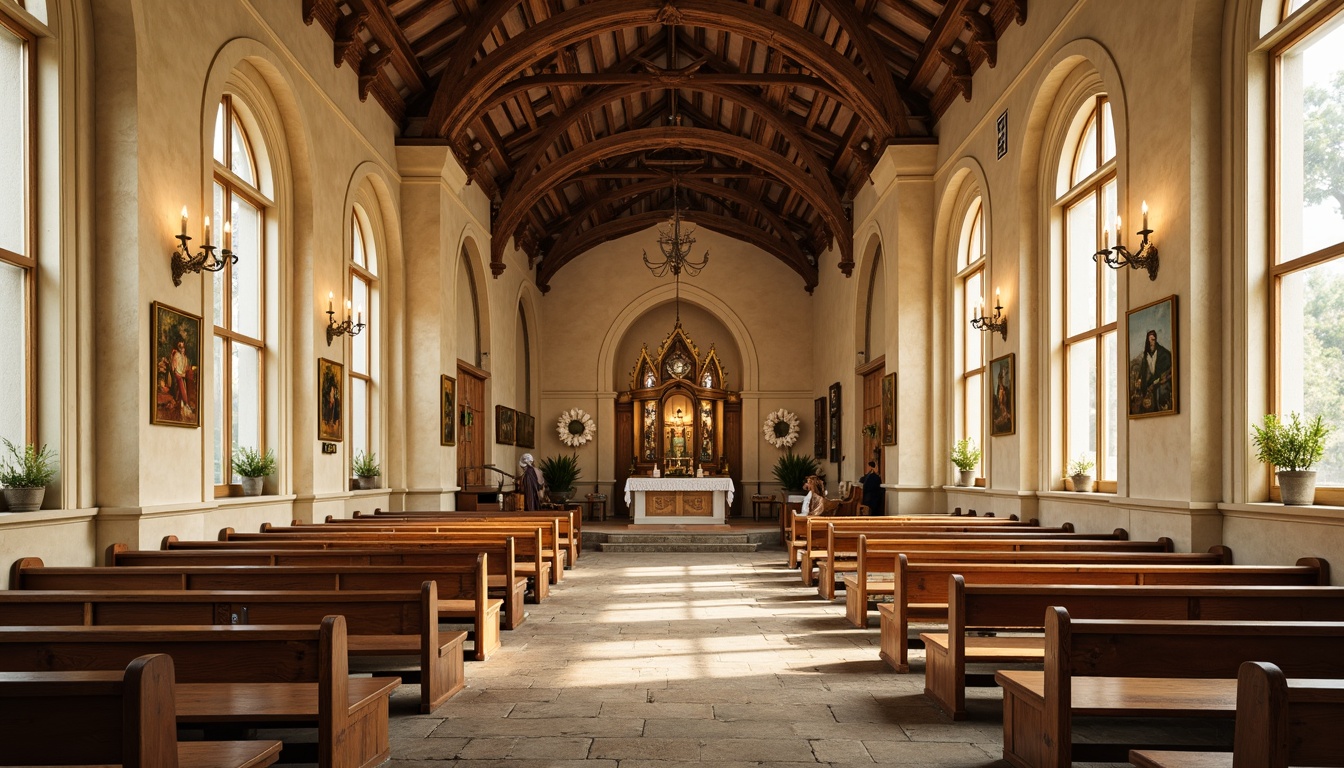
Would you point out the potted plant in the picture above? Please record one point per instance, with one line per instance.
(560, 473)
(253, 466)
(1292, 447)
(966, 456)
(366, 469)
(25, 479)
(1080, 472)
(792, 469)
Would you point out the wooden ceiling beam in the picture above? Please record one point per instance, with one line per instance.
(391, 37)
(943, 33)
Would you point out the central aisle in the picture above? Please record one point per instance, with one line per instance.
(636, 661)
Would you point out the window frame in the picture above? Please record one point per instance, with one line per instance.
(969, 266)
(358, 224)
(28, 262)
(232, 184)
(1277, 269)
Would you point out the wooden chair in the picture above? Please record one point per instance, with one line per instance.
(767, 500)
(594, 501)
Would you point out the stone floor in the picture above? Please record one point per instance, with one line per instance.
(643, 661)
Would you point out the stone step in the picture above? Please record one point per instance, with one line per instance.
(677, 538)
(676, 547)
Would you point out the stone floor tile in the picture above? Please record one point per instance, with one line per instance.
(665, 749)
(427, 749)
(555, 709)
(774, 749)
(840, 751)
(658, 711)
(940, 754)
(537, 748)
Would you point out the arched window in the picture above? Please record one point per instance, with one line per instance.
(1307, 261)
(363, 347)
(18, 262)
(1086, 197)
(972, 250)
(240, 311)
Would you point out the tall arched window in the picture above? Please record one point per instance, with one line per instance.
(1307, 261)
(363, 347)
(240, 209)
(1086, 197)
(972, 250)
(18, 263)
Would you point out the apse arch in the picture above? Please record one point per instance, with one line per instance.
(608, 367)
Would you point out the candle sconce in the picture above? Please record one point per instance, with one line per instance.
(1119, 256)
(205, 260)
(997, 323)
(335, 329)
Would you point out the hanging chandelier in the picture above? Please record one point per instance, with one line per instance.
(676, 247)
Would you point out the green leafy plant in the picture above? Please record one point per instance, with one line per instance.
(792, 469)
(1081, 466)
(30, 467)
(1293, 445)
(560, 472)
(965, 455)
(249, 462)
(365, 465)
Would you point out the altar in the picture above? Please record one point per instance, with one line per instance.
(679, 500)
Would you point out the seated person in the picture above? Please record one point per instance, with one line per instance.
(814, 501)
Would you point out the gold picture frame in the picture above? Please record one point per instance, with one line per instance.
(447, 410)
(330, 400)
(174, 367)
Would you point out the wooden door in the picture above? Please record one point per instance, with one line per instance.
(732, 452)
(872, 414)
(471, 424)
(625, 455)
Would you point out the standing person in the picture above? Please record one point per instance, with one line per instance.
(531, 483)
(816, 494)
(874, 498)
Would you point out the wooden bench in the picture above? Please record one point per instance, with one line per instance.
(1021, 607)
(1280, 723)
(921, 588)
(462, 590)
(379, 624)
(562, 547)
(244, 676)
(123, 718)
(1145, 668)
(569, 520)
(809, 532)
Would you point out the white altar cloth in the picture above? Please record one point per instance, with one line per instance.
(637, 490)
(679, 484)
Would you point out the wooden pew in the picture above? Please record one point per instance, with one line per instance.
(921, 588)
(1021, 607)
(556, 529)
(239, 675)
(501, 571)
(570, 519)
(808, 541)
(462, 590)
(379, 624)
(123, 718)
(1145, 668)
(1280, 723)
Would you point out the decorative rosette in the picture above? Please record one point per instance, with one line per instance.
(781, 428)
(575, 427)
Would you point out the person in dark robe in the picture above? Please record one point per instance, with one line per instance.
(531, 483)
(874, 498)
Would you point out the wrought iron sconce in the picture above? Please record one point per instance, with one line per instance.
(996, 323)
(204, 261)
(1119, 256)
(335, 329)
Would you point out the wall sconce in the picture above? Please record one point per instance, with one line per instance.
(335, 329)
(1119, 256)
(205, 261)
(996, 323)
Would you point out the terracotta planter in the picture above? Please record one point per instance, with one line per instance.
(252, 485)
(1298, 489)
(1082, 483)
(24, 499)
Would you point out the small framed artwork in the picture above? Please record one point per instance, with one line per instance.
(447, 410)
(1002, 396)
(527, 431)
(819, 429)
(175, 395)
(834, 401)
(330, 393)
(505, 432)
(1153, 370)
(889, 409)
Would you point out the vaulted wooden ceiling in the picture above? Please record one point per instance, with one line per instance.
(580, 119)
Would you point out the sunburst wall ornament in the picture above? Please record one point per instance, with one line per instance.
(575, 427)
(781, 428)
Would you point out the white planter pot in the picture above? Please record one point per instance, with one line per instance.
(965, 478)
(24, 499)
(1298, 489)
(1082, 483)
(252, 485)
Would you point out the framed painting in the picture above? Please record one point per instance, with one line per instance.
(833, 401)
(1003, 396)
(447, 410)
(1153, 371)
(175, 369)
(889, 409)
(819, 429)
(330, 393)
(527, 430)
(505, 428)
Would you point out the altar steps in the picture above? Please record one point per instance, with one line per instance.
(682, 542)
